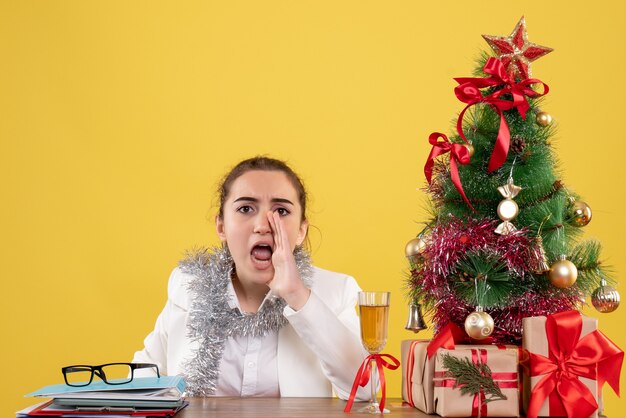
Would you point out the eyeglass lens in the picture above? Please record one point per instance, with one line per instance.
(110, 373)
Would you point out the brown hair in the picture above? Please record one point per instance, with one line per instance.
(261, 163)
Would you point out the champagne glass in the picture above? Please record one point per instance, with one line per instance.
(374, 313)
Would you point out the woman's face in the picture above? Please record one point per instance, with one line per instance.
(246, 229)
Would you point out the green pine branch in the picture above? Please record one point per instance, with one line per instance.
(586, 256)
(472, 378)
(483, 279)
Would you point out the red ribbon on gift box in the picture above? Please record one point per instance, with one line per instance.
(363, 377)
(459, 154)
(409, 372)
(449, 336)
(468, 91)
(479, 406)
(452, 334)
(594, 356)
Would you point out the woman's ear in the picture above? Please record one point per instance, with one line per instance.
(304, 227)
(219, 227)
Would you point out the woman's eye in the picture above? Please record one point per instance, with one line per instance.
(282, 211)
(245, 209)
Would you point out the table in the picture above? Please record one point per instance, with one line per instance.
(287, 407)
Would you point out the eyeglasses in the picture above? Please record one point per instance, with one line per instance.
(110, 373)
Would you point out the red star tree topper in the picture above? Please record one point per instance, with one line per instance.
(515, 51)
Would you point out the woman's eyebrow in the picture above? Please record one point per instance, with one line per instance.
(246, 199)
(255, 200)
(281, 200)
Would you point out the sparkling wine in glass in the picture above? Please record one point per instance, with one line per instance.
(374, 313)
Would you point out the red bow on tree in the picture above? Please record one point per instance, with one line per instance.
(468, 91)
(458, 154)
(594, 356)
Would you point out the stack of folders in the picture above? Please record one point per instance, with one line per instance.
(142, 397)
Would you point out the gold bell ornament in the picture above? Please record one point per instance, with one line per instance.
(416, 321)
(563, 273)
(605, 298)
(507, 209)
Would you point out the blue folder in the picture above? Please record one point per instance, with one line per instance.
(146, 386)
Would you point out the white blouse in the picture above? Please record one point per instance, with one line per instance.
(248, 366)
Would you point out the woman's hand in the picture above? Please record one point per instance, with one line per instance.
(286, 282)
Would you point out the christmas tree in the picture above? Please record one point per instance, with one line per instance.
(504, 241)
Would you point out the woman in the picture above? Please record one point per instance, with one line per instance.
(254, 318)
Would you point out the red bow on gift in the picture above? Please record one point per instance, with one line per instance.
(363, 377)
(447, 338)
(458, 154)
(570, 357)
(468, 91)
(452, 334)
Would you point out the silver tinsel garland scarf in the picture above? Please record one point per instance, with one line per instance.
(212, 320)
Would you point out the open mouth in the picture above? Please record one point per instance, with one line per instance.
(262, 255)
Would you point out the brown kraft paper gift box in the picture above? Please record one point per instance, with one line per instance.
(449, 402)
(417, 375)
(535, 340)
(418, 372)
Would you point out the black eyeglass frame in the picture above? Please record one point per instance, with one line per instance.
(97, 370)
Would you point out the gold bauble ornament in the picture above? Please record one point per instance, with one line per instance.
(470, 149)
(543, 119)
(414, 247)
(605, 298)
(580, 213)
(563, 273)
(479, 325)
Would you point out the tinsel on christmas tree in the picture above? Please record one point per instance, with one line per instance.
(504, 240)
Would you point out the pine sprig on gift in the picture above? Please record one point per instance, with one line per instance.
(472, 378)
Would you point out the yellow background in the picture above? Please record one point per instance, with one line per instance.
(118, 118)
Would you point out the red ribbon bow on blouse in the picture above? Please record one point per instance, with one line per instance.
(458, 154)
(594, 356)
(468, 91)
(363, 377)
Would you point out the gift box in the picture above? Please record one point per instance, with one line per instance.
(496, 387)
(417, 375)
(418, 371)
(568, 360)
